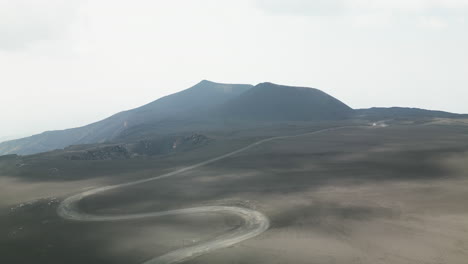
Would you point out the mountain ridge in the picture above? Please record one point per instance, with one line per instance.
(211, 104)
(269, 101)
(404, 112)
(109, 128)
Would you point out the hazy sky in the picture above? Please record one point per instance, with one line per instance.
(66, 63)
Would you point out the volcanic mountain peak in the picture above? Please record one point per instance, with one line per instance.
(201, 97)
(269, 101)
(208, 104)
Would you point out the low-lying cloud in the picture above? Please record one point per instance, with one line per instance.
(340, 7)
(23, 22)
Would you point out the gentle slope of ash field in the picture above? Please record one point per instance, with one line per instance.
(362, 194)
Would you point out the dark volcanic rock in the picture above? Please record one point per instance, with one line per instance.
(201, 97)
(102, 153)
(378, 113)
(168, 145)
(147, 147)
(272, 102)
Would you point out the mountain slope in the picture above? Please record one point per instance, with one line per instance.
(206, 106)
(201, 97)
(272, 102)
(379, 113)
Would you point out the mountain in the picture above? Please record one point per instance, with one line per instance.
(272, 102)
(207, 105)
(201, 97)
(379, 113)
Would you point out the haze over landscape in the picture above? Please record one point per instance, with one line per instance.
(209, 105)
(86, 60)
(332, 132)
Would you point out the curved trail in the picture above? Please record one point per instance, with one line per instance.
(255, 222)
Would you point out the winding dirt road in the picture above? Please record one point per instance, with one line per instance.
(255, 222)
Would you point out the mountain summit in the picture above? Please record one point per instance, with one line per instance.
(273, 102)
(201, 97)
(206, 106)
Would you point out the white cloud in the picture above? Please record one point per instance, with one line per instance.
(24, 22)
(85, 62)
(304, 7)
(434, 14)
(433, 22)
(339, 7)
(371, 20)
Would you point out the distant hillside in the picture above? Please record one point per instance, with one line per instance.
(201, 97)
(379, 113)
(147, 147)
(210, 105)
(268, 101)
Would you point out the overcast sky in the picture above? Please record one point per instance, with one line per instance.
(66, 63)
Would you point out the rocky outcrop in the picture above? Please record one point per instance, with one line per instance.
(187, 141)
(101, 153)
(169, 144)
(147, 147)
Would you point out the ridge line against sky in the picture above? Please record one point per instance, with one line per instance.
(69, 63)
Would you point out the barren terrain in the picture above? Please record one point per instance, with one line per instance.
(393, 194)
